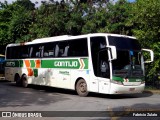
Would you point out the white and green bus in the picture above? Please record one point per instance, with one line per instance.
(99, 62)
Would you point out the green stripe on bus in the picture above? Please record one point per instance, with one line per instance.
(117, 78)
(86, 63)
(130, 79)
(20, 63)
(64, 63)
(35, 71)
(58, 63)
(32, 63)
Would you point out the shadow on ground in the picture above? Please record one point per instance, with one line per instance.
(98, 95)
(121, 96)
(143, 112)
(13, 96)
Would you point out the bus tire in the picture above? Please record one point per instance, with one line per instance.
(81, 88)
(24, 81)
(17, 79)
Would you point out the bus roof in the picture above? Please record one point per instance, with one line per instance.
(67, 37)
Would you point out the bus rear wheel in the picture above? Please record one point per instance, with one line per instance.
(81, 88)
(17, 79)
(24, 81)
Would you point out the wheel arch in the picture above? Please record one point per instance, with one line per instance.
(16, 74)
(23, 75)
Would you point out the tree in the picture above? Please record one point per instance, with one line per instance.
(27, 4)
(21, 21)
(15, 21)
(48, 20)
(95, 17)
(145, 16)
(5, 17)
(118, 17)
(104, 16)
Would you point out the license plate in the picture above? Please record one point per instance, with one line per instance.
(131, 89)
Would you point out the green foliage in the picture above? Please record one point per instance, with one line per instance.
(5, 17)
(15, 21)
(145, 15)
(21, 21)
(118, 17)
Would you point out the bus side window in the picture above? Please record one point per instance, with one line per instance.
(37, 54)
(24, 52)
(9, 52)
(62, 49)
(65, 51)
(30, 53)
(17, 53)
(51, 53)
(24, 55)
(78, 48)
(56, 51)
(35, 51)
(48, 49)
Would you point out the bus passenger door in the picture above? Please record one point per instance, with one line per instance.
(100, 64)
(103, 71)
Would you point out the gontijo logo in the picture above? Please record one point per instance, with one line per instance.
(69, 63)
(66, 63)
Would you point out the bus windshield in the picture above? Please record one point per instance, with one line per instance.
(128, 62)
(127, 65)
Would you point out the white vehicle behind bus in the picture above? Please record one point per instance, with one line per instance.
(100, 62)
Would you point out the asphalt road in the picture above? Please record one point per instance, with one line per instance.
(96, 106)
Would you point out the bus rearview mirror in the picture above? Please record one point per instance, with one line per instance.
(113, 52)
(151, 55)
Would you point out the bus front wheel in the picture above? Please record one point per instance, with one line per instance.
(81, 88)
(24, 81)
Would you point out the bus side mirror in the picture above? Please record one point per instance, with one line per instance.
(113, 52)
(151, 55)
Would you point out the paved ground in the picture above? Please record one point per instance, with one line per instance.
(39, 98)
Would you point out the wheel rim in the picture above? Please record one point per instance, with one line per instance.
(82, 87)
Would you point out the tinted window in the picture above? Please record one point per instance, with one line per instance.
(61, 49)
(35, 51)
(48, 50)
(9, 53)
(124, 43)
(70, 48)
(14, 52)
(78, 48)
(24, 51)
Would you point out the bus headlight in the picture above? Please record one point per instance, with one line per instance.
(116, 82)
